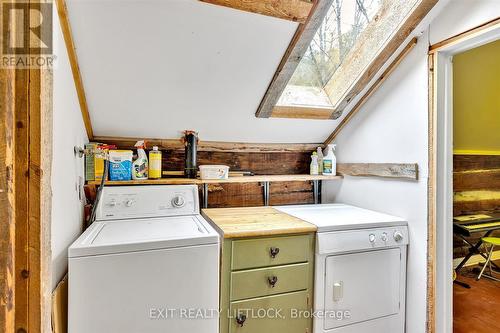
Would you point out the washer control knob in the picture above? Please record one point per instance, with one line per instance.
(112, 203)
(398, 236)
(129, 202)
(178, 201)
(384, 237)
(372, 238)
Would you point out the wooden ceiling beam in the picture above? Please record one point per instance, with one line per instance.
(291, 59)
(215, 146)
(291, 10)
(62, 11)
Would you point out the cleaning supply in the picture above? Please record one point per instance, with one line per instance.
(120, 164)
(140, 165)
(155, 163)
(330, 161)
(314, 168)
(320, 160)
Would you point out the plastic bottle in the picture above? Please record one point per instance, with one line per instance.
(320, 160)
(314, 168)
(154, 163)
(140, 165)
(330, 162)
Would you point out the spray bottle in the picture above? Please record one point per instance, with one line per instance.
(330, 161)
(140, 165)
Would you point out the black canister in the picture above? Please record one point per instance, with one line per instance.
(190, 145)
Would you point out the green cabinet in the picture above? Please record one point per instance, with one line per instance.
(266, 284)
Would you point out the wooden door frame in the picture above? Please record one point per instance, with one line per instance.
(440, 185)
(25, 198)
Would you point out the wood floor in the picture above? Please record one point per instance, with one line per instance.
(476, 310)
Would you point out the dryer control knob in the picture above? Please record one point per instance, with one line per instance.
(372, 238)
(384, 237)
(398, 236)
(178, 201)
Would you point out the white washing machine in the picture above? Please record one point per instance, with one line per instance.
(150, 263)
(360, 269)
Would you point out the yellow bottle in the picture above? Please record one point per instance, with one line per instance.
(155, 163)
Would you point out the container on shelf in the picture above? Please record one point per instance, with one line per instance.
(120, 164)
(214, 171)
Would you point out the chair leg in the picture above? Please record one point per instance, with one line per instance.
(487, 263)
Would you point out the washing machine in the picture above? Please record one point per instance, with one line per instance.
(360, 268)
(150, 263)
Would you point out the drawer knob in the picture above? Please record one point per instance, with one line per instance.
(273, 252)
(272, 280)
(240, 319)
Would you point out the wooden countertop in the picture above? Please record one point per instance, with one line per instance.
(255, 221)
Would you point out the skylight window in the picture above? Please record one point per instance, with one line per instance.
(354, 40)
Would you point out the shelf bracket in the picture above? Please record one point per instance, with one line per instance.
(316, 183)
(204, 195)
(265, 186)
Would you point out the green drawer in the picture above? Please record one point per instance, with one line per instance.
(255, 253)
(269, 281)
(258, 321)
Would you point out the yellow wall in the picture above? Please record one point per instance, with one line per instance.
(476, 100)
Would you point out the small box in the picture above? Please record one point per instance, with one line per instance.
(94, 165)
(120, 164)
(214, 171)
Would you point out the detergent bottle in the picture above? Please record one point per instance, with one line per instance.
(140, 165)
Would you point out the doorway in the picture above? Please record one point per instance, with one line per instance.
(441, 182)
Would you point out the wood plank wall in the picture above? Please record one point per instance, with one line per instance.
(251, 194)
(476, 186)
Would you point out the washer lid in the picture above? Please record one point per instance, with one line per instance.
(120, 236)
(333, 217)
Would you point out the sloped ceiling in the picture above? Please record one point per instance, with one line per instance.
(153, 68)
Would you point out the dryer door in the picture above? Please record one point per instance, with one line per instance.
(362, 286)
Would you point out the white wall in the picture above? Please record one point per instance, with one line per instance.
(154, 68)
(68, 131)
(393, 127)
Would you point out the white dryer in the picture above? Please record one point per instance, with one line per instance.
(150, 263)
(360, 268)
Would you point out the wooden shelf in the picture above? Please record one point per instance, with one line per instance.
(244, 179)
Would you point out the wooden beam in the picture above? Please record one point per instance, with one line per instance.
(488, 26)
(398, 37)
(7, 200)
(297, 112)
(291, 59)
(371, 90)
(62, 10)
(214, 146)
(431, 198)
(291, 10)
(408, 171)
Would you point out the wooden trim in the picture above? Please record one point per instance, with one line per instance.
(372, 90)
(216, 146)
(383, 56)
(431, 198)
(62, 10)
(299, 112)
(491, 25)
(408, 171)
(291, 59)
(291, 10)
(7, 200)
